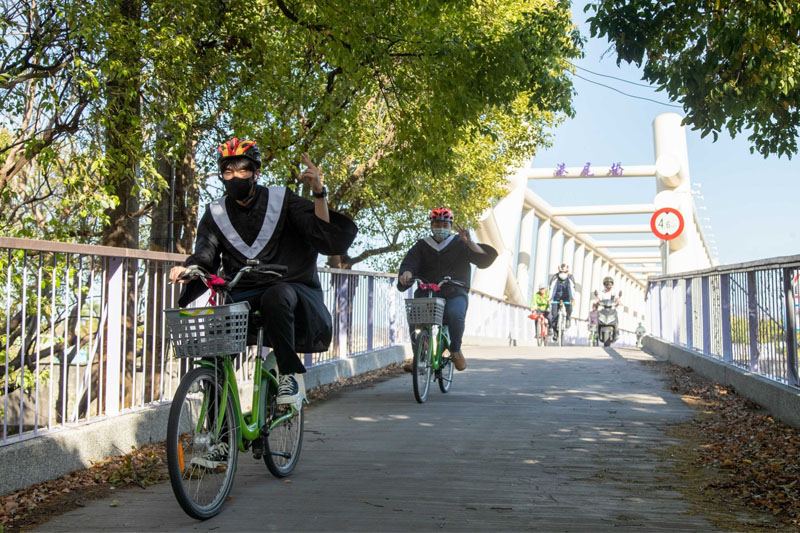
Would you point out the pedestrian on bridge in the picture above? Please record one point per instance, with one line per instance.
(443, 255)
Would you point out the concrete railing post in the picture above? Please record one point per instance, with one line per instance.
(370, 311)
(706, 316)
(752, 319)
(725, 298)
(791, 334)
(114, 335)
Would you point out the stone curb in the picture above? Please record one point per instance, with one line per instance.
(58, 453)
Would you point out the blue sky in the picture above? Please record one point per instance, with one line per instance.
(752, 203)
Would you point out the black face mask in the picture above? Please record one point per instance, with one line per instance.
(238, 188)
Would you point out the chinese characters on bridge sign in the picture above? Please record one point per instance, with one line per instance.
(616, 170)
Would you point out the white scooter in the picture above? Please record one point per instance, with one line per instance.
(607, 322)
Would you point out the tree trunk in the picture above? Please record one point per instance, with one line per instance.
(123, 131)
(159, 229)
(187, 195)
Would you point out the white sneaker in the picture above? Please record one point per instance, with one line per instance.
(291, 388)
(217, 457)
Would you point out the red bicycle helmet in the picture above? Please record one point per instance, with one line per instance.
(238, 148)
(441, 213)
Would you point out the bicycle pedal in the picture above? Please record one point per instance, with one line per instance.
(258, 448)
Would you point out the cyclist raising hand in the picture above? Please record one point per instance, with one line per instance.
(444, 255)
(273, 225)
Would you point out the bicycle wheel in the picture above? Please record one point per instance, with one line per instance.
(562, 322)
(285, 439)
(446, 374)
(202, 444)
(421, 373)
(542, 334)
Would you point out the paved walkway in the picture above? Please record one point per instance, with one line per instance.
(548, 439)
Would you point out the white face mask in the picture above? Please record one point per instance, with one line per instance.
(440, 234)
(562, 276)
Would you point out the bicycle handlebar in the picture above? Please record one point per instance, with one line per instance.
(443, 282)
(195, 271)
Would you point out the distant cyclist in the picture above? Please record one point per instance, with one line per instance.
(441, 255)
(541, 301)
(592, 319)
(640, 333)
(562, 289)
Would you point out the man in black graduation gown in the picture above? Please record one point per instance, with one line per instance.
(273, 225)
(444, 255)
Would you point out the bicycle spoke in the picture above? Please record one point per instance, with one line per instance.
(285, 438)
(202, 444)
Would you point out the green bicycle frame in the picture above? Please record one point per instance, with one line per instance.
(439, 343)
(251, 422)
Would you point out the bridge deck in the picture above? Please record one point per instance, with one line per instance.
(528, 439)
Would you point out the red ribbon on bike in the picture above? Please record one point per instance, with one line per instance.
(429, 287)
(212, 282)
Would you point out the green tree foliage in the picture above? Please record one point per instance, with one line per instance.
(404, 104)
(768, 330)
(732, 64)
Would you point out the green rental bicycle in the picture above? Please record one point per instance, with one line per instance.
(207, 426)
(430, 340)
(561, 322)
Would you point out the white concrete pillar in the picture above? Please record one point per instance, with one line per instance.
(568, 255)
(499, 228)
(628, 299)
(587, 281)
(673, 189)
(543, 237)
(524, 265)
(556, 250)
(577, 268)
(604, 266)
(597, 273)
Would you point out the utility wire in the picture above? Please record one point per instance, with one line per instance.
(626, 94)
(609, 76)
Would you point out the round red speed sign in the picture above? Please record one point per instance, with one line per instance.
(667, 223)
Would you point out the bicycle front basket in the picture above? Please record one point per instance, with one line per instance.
(208, 331)
(425, 310)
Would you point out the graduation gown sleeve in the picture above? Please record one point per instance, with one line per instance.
(411, 263)
(327, 238)
(206, 255)
(482, 260)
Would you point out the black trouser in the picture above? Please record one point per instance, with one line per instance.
(554, 313)
(278, 303)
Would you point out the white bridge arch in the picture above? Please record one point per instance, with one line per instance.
(511, 224)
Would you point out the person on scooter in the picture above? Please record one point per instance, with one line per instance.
(608, 299)
(562, 289)
(608, 292)
(441, 255)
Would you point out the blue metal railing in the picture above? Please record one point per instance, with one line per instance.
(745, 315)
(82, 335)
